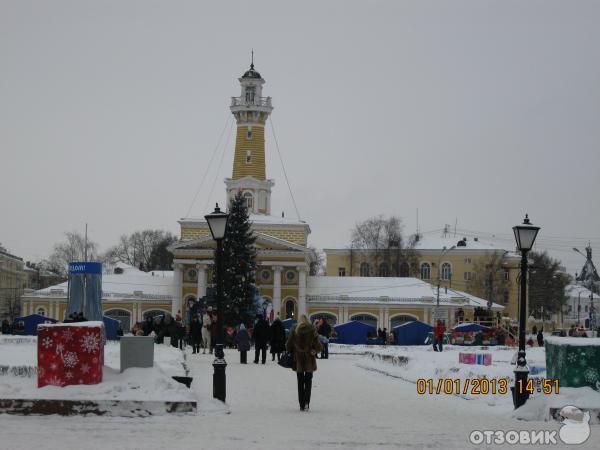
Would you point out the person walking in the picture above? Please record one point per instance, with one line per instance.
(242, 340)
(540, 337)
(206, 322)
(304, 342)
(438, 336)
(261, 337)
(277, 339)
(324, 333)
(196, 334)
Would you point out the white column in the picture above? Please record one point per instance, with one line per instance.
(301, 290)
(202, 275)
(177, 283)
(56, 309)
(277, 289)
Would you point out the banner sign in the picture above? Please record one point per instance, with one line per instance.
(85, 267)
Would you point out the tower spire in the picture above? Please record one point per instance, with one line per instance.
(252, 60)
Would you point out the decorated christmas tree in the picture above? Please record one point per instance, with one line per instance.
(239, 264)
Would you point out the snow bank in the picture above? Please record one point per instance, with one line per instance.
(538, 408)
(573, 341)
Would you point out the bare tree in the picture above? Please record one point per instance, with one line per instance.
(144, 249)
(72, 249)
(384, 246)
(317, 267)
(488, 280)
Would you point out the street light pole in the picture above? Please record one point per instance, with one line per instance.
(217, 222)
(525, 235)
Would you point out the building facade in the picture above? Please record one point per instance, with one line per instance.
(283, 257)
(451, 262)
(128, 295)
(13, 282)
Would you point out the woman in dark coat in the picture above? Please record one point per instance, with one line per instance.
(242, 340)
(304, 342)
(277, 338)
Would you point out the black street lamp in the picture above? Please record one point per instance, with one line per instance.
(525, 235)
(217, 222)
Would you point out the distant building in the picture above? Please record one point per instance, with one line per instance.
(128, 295)
(13, 281)
(435, 261)
(39, 277)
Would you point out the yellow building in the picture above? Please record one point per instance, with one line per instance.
(283, 258)
(449, 261)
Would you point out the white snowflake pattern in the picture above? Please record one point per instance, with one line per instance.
(571, 358)
(47, 342)
(54, 333)
(59, 348)
(55, 381)
(68, 375)
(70, 359)
(90, 343)
(53, 366)
(85, 368)
(591, 375)
(67, 335)
(80, 381)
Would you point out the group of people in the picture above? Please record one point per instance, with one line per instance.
(575, 331)
(75, 317)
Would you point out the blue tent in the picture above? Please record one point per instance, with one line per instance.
(470, 327)
(353, 332)
(110, 326)
(288, 323)
(27, 325)
(411, 333)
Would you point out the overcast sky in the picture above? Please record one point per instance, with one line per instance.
(473, 112)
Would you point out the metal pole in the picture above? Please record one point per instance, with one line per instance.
(520, 394)
(578, 306)
(219, 364)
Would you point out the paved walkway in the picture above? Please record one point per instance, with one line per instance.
(351, 408)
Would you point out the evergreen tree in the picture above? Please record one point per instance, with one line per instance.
(239, 264)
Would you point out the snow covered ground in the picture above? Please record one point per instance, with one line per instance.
(353, 406)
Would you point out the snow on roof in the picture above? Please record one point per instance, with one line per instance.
(131, 282)
(438, 243)
(577, 290)
(255, 218)
(387, 287)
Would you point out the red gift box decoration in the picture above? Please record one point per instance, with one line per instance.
(70, 354)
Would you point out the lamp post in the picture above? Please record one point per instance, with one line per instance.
(592, 309)
(217, 222)
(525, 235)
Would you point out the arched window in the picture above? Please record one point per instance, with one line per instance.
(364, 269)
(289, 309)
(383, 270)
(249, 200)
(400, 319)
(41, 311)
(425, 271)
(367, 319)
(446, 271)
(123, 316)
(404, 270)
(329, 318)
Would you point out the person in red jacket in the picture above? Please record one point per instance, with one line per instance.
(438, 335)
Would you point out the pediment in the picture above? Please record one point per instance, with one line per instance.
(263, 242)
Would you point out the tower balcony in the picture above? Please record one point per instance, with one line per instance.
(259, 104)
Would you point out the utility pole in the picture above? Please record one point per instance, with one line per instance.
(85, 255)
